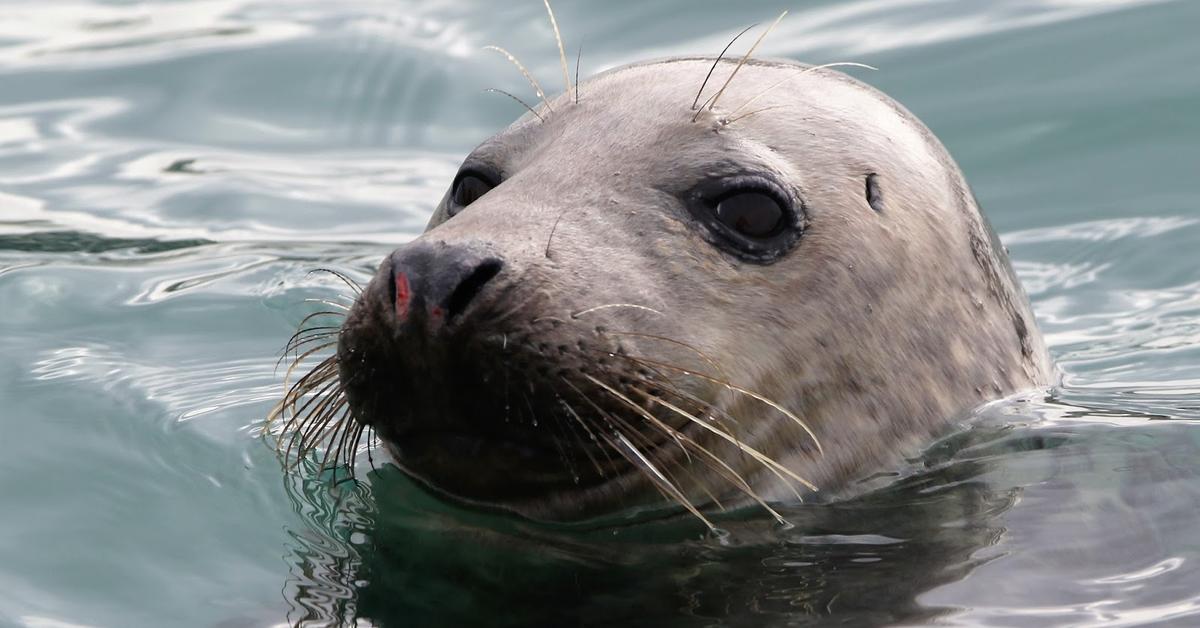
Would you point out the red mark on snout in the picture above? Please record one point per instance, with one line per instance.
(436, 311)
(403, 294)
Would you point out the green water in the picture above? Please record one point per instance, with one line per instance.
(171, 171)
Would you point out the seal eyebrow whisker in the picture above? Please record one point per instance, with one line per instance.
(522, 102)
(562, 54)
(537, 88)
(729, 121)
(714, 66)
(744, 59)
(738, 389)
(578, 56)
(611, 305)
(798, 75)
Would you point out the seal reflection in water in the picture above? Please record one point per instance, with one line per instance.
(638, 293)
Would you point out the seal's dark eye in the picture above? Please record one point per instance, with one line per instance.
(750, 216)
(751, 213)
(467, 188)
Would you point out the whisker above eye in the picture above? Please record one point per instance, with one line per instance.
(537, 88)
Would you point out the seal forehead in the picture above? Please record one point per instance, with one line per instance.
(781, 112)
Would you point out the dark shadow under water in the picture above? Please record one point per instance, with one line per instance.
(391, 555)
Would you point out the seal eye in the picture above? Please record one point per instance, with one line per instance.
(467, 188)
(749, 216)
(751, 213)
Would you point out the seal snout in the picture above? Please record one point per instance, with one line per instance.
(432, 284)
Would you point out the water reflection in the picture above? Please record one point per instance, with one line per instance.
(388, 552)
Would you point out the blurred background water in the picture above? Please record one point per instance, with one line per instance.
(171, 171)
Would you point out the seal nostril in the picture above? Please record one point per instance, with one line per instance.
(470, 287)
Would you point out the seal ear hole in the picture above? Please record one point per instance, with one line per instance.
(874, 193)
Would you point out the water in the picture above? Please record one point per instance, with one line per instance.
(171, 171)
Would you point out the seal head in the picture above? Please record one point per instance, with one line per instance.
(623, 298)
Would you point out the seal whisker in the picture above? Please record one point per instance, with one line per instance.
(566, 458)
(585, 446)
(316, 424)
(300, 418)
(746, 57)
(325, 371)
(562, 54)
(299, 358)
(315, 377)
(337, 433)
(578, 56)
(354, 285)
(714, 65)
(766, 460)
(347, 427)
(616, 423)
(728, 121)
(552, 230)
(320, 379)
(731, 386)
(798, 75)
(322, 342)
(304, 321)
(726, 470)
(310, 334)
(327, 364)
(611, 305)
(352, 452)
(577, 417)
(704, 356)
(518, 99)
(668, 387)
(674, 434)
(537, 88)
(342, 306)
(640, 410)
(654, 473)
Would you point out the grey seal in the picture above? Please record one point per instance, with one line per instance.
(637, 295)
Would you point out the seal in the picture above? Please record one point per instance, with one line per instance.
(637, 295)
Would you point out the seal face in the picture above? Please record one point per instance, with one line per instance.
(623, 298)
